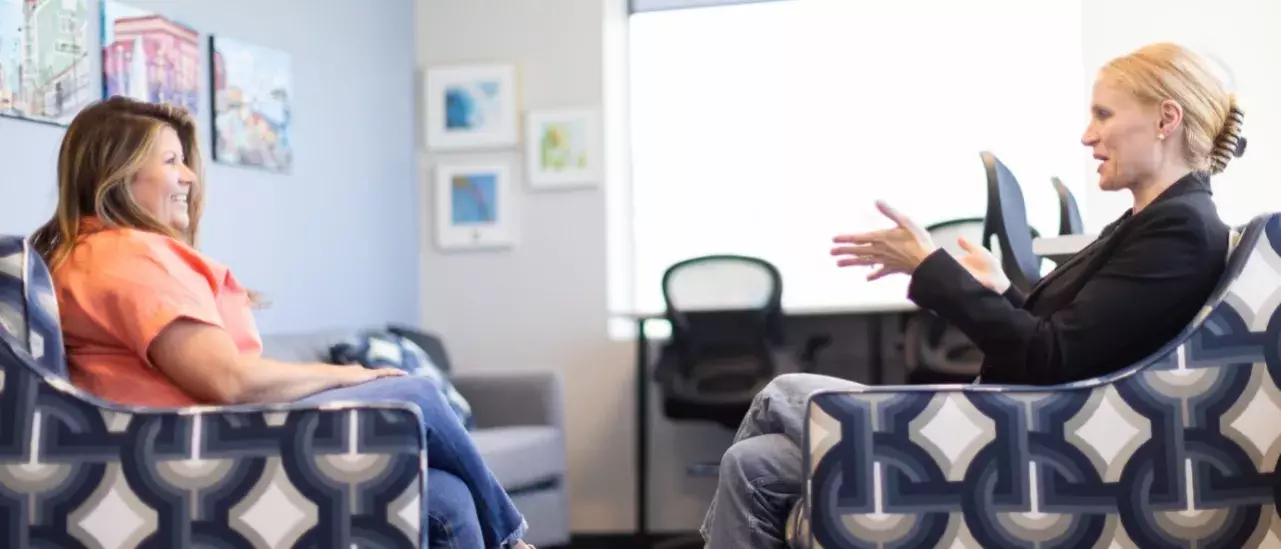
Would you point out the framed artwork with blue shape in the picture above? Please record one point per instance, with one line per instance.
(474, 206)
(471, 107)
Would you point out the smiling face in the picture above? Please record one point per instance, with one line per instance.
(162, 186)
(1126, 136)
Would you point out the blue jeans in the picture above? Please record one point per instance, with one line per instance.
(468, 508)
(761, 473)
(452, 521)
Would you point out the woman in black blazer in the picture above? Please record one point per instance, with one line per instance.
(1161, 124)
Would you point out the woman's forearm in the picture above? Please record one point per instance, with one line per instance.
(203, 360)
(262, 380)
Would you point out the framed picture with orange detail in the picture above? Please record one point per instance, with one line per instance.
(475, 207)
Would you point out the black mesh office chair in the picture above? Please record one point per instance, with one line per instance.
(934, 351)
(727, 337)
(727, 343)
(1069, 213)
(1007, 221)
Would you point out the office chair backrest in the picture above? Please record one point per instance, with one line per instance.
(722, 282)
(1007, 221)
(727, 321)
(1069, 213)
(723, 303)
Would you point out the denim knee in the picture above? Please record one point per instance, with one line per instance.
(418, 390)
(762, 459)
(787, 384)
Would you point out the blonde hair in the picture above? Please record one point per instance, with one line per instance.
(1212, 119)
(103, 149)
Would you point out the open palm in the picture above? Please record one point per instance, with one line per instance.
(983, 266)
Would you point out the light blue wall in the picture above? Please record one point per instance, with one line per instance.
(333, 244)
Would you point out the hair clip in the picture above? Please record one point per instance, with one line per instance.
(1240, 148)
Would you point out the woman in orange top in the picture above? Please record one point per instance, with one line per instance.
(148, 320)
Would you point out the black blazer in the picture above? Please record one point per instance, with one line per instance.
(1115, 302)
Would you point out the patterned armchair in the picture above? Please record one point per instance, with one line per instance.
(76, 471)
(1180, 450)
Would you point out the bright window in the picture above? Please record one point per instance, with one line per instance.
(764, 129)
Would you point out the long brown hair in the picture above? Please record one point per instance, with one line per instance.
(104, 148)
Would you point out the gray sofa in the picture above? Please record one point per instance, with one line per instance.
(519, 426)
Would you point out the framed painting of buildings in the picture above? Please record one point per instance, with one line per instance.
(149, 57)
(252, 110)
(44, 59)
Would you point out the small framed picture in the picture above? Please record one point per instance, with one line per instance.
(471, 107)
(563, 148)
(474, 207)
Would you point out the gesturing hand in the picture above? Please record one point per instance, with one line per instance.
(983, 266)
(897, 250)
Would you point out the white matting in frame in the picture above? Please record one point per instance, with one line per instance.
(471, 107)
(563, 148)
(474, 206)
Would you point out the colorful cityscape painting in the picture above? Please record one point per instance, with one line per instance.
(44, 59)
(252, 113)
(149, 57)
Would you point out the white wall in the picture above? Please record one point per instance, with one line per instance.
(543, 304)
(1243, 35)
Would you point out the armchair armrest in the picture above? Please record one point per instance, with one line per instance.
(277, 475)
(508, 399)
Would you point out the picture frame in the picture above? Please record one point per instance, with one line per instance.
(252, 94)
(475, 207)
(563, 148)
(150, 57)
(471, 107)
(45, 61)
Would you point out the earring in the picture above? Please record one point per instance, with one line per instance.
(1160, 137)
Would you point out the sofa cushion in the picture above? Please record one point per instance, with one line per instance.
(521, 457)
(430, 343)
(384, 350)
(303, 346)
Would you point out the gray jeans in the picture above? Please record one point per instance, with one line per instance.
(761, 473)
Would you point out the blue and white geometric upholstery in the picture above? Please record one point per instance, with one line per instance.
(76, 471)
(1180, 450)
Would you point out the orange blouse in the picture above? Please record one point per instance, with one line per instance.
(119, 288)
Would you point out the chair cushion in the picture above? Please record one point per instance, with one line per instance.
(521, 457)
(385, 350)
